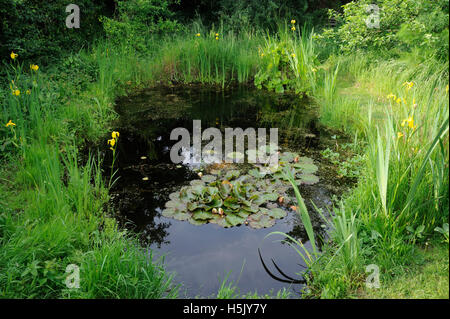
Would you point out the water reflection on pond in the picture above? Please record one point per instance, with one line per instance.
(202, 255)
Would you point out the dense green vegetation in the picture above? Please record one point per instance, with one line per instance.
(386, 88)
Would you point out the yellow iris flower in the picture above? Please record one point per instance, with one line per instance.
(293, 28)
(408, 85)
(112, 142)
(13, 55)
(34, 67)
(10, 123)
(391, 96)
(197, 35)
(16, 92)
(409, 121)
(292, 21)
(115, 135)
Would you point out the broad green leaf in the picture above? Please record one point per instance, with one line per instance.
(202, 215)
(308, 179)
(175, 214)
(276, 213)
(234, 219)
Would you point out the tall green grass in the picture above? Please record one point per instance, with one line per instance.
(403, 192)
(192, 58)
(53, 206)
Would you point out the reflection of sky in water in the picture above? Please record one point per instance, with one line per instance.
(201, 256)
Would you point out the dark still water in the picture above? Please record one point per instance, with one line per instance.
(201, 256)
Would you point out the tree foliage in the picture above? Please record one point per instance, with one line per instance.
(265, 14)
(404, 25)
(135, 20)
(34, 28)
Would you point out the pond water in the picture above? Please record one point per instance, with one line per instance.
(201, 256)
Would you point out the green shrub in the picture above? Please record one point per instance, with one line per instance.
(404, 25)
(35, 29)
(137, 20)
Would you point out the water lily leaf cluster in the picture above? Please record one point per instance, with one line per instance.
(229, 198)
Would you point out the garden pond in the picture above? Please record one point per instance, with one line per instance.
(209, 220)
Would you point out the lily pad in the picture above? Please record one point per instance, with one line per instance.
(211, 190)
(202, 215)
(197, 222)
(243, 214)
(260, 220)
(220, 220)
(251, 209)
(208, 178)
(175, 214)
(234, 219)
(217, 172)
(198, 190)
(216, 202)
(174, 196)
(177, 204)
(276, 213)
(197, 182)
(270, 196)
(255, 173)
(231, 203)
(257, 199)
(308, 179)
(306, 168)
(186, 194)
(225, 188)
(192, 206)
(288, 157)
(232, 174)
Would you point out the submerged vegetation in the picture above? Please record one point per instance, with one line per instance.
(387, 91)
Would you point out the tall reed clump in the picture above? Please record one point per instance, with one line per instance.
(53, 206)
(402, 195)
(207, 57)
(410, 159)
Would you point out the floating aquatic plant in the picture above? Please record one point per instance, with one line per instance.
(229, 198)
